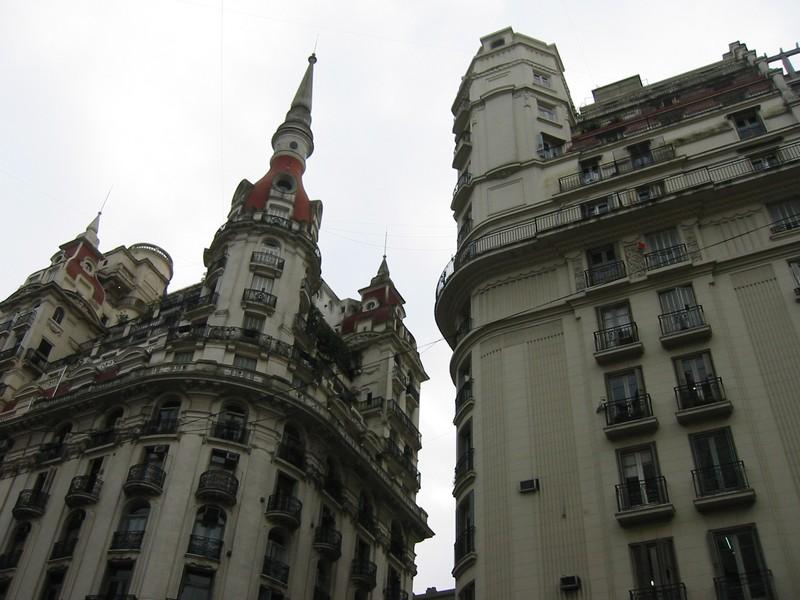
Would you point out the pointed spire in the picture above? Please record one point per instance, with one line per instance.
(92, 229)
(382, 275)
(298, 119)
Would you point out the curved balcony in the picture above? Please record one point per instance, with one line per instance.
(465, 465)
(328, 542)
(267, 260)
(83, 490)
(205, 546)
(217, 486)
(30, 504)
(284, 509)
(145, 478)
(275, 570)
(363, 574)
(230, 431)
(464, 547)
(464, 397)
(259, 299)
(126, 540)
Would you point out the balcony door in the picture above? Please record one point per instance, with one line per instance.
(655, 570)
(639, 473)
(717, 465)
(677, 302)
(603, 265)
(624, 390)
(262, 284)
(118, 579)
(740, 565)
(694, 369)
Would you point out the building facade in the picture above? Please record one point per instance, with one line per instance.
(252, 436)
(623, 312)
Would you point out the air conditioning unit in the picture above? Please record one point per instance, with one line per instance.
(528, 485)
(570, 583)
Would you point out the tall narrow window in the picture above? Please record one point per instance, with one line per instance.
(58, 315)
(245, 362)
(655, 570)
(679, 310)
(641, 483)
(717, 467)
(741, 569)
(627, 399)
(262, 283)
(664, 248)
(196, 585)
(465, 528)
(604, 266)
(785, 216)
(697, 382)
(641, 155)
(65, 546)
(131, 528)
(117, 580)
(53, 583)
(616, 327)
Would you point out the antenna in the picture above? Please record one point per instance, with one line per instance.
(103, 205)
(316, 41)
(385, 240)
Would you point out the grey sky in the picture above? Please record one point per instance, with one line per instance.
(173, 102)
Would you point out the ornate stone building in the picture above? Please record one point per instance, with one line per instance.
(251, 436)
(623, 312)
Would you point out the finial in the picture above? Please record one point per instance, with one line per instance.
(312, 59)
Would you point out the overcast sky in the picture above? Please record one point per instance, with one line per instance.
(173, 102)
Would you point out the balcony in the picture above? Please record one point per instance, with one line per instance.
(268, 261)
(205, 546)
(83, 490)
(722, 486)
(702, 400)
(102, 437)
(275, 570)
(462, 150)
(672, 591)
(756, 585)
(333, 487)
(6, 325)
(404, 460)
(464, 397)
(643, 501)
(259, 299)
(293, 453)
(217, 265)
(366, 519)
(464, 471)
(24, 320)
(666, 257)
(63, 549)
(160, 427)
(10, 560)
(363, 574)
(35, 360)
(284, 509)
(126, 540)
(785, 224)
(596, 173)
(683, 326)
(372, 403)
(50, 452)
(602, 274)
(230, 431)
(412, 391)
(328, 542)
(464, 546)
(629, 416)
(463, 185)
(404, 420)
(463, 231)
(30, 504)
(217, 486)
(617, 343)
(463, 329)
(144, 478)
(200, 303)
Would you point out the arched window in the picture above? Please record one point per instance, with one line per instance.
(65, 546)
(165, 419)
(276, 564)
(333, 480)
(112, 419)
(208, 532)
(292, 449)
(58, 315)
(232, 424)
(16, 545)
(131, 527)
(366, 513)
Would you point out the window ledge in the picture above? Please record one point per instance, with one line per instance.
(727, 499)
(464, 563)
(463, 482)
(549, 122)
(648, 513)
(620, 352)
(631, 428)
(713, 410)
(685, 336)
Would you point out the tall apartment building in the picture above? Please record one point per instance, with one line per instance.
(252, 436)
(623, 311)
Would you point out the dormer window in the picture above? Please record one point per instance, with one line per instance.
(497, 43)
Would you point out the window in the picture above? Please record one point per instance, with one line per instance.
(697, 383)
(541, 79)
(497, 43)
(166, 418)
(44, 348)
(276, 210)
(655, 570)
(465, 528)
(464, 450)
(547, 111)
(626, 398)
(253, 323)
(590, 170)
(468, 593)
(603, 265)
(616, 326)
(641, 155)
(223, 461)
(641, 484)
(276, 559)
(322, 583)
(208, 532)
(183, 357)
(717, 467)
(65, 546)
(664, 248)
(741, 570)
(785, 216)
(550, 147)
(261, 283)
(679, 310)
(15, 546)
(765, 161)
(196, 585)
(598, 207)
(748, 124)
(794, 267)
(245, 362)
(6, 443)
(131, 528)
(58, 315)
(117, 580)
(232, 424)
(53, 583)
(649, 192)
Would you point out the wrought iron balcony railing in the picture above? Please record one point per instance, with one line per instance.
(464, 464)
(200, 301)
(624, 410)
(465, 543)
(328, 540)
(671, 591)
(51, 451)
(259, 297)
(101, 438)
(126, 540)
(275, 569)
(665, 257)
(231, 431)
(282, 503)
(606, 273)
(205, 546)
(84, 489)
(614, 337)
(699, 393)
(364, 572)
(147, 474)
(606, 171)
(718, 479)
(408, 424)
(785, 224)
(635, 493)
(218, 484)
(755, 584)
(463, 181)
(268, 259)
(160, 426)
(690, 317)
(463, 395)
(30, 503)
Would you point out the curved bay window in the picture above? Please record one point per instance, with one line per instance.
(65, 546)
(231, 424)
(131, 528)
(208, 532)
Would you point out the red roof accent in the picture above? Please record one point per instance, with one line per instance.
(260, 194)
(75, 268)
(377, 315)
